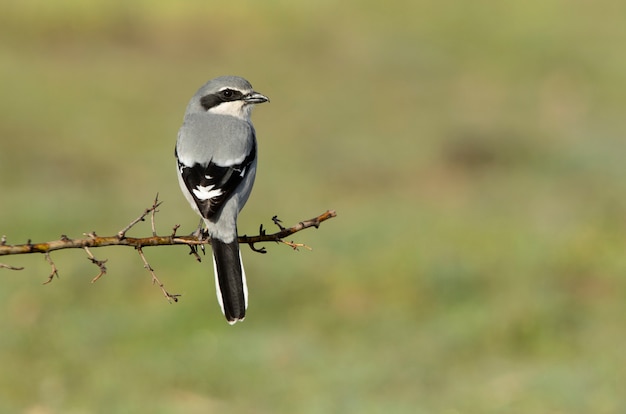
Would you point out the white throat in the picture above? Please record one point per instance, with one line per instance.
(238, 109)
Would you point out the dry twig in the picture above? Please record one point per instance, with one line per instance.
(122, 233)
(54, 271)
(6, 266)
(99, 263)
(155, 279)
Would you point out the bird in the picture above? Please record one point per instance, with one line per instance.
(216, 155)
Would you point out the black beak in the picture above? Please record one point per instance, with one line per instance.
(255, 98)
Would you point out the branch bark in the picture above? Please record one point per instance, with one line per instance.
(93, 240)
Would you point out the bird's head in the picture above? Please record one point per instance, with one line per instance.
(227, 95)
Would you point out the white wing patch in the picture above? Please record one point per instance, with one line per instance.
(207, 192)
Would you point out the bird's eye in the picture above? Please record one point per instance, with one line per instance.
(227, 93)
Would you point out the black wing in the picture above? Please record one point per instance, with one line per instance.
(211, 185)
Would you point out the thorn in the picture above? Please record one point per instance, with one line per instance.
(176, 227)
(277, 221)
(194, 252)
(172, 296)
(254, 249)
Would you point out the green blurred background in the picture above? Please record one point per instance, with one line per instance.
(474, 152)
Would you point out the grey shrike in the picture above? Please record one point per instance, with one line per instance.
(216, 154)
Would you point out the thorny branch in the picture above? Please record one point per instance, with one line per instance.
(92, 240)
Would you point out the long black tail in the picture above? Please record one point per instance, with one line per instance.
(230, 280)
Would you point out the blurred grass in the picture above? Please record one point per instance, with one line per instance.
(473, 151)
